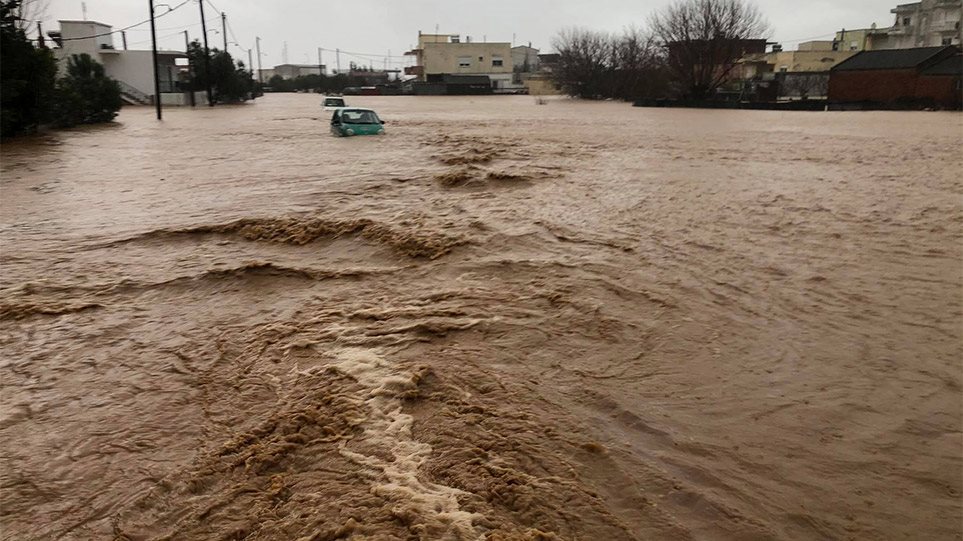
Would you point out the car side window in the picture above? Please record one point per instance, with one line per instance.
(334, 117)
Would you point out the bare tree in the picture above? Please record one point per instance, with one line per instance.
(638, 63)
(29, 12)
(600, 65)
(705, 38)
(805, 85)
(583, 58)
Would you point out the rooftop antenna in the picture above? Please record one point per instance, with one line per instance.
(436, 32)
(284, 53)
(83, 7)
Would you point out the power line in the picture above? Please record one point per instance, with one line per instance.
(806, 39)
(128, 27)
(373, 56)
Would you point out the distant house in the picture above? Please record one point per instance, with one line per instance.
(293, 71)
(134, 70)
(919, 77)
(438, 55)
(525, 58)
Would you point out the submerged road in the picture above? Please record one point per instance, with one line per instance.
(500, 320)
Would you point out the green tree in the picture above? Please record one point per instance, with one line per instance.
(230, 82)
(86, 95)
(27, 75)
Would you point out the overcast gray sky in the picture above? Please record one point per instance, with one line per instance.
(374, 27)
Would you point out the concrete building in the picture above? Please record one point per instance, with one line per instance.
(293, 71)
(525, 58)
(928, 23)
(811, 56)
(133, 69)
(902, 78)
(438, 55)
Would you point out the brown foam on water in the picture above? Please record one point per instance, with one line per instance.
(409, 241)
(387, 426)
(20, 310)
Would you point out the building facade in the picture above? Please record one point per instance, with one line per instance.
(904, 78)
(811, 56)
(929, 23)
(133, 69)
(438, 55)
(525, 59)
(293, 71)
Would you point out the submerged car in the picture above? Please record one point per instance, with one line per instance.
(355, 121)
(330, 103)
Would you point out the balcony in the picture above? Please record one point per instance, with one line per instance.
(415, 70)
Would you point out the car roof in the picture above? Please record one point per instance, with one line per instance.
(355, 109)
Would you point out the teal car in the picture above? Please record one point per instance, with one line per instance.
(354, 121)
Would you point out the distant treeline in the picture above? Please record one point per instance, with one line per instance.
(688, 49)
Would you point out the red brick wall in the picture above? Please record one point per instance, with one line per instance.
(942, 89)
(889, 86)
(882, 86)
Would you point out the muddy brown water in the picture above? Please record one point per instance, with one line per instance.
(501, 321)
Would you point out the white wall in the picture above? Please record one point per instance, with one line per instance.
(136, 69)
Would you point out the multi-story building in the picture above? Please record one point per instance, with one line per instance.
(438, 55)
(134, 70)
(928, 23)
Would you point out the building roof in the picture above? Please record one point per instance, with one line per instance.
(952, 65)
(889, 59)
(74, 21)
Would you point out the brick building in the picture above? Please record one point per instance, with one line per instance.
(904, 78)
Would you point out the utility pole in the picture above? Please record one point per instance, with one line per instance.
(320, 70)
(153, 44)
(40, 41)
(250, 67)
(337, 53)
(207, 58)
(257, 46)
(223, 28)
(190, 69)
(123, 36)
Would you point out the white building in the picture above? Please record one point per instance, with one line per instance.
(134, 70)
(928, 23)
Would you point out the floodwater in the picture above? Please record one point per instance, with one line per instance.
(501, 321)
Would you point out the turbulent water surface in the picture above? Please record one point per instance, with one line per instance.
(500, 321)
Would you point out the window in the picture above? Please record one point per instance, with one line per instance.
(497, 61)
(907, 21)
(947, 41)
(853, 45)
(481, 58)
(464, 61)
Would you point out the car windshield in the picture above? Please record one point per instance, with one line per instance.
(334, 102)
(359, 117)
